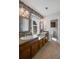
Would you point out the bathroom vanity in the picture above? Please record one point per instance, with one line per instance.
(29, 48)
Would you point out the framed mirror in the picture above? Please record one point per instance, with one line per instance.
(24, 20)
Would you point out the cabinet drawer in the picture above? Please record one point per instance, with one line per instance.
(24, 46)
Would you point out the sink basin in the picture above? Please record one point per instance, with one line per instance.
(28, 37)
(41, 36)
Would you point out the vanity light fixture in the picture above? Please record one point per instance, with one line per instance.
(23, 12)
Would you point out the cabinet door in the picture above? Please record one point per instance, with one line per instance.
(24, 52)
(34, 48)
(40, 43)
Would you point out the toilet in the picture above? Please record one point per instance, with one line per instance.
(54, 39)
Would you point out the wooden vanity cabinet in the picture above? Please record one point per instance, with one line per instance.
(42, 42)
(29, 49)
(34, 47)
(24, 51)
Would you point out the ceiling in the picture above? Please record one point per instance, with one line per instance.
(53, 6)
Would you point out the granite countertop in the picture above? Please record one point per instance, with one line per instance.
(31, 37)
(22, 41)
(26, 39)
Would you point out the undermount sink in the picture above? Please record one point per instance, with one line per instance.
(41, 36)
(28, 37)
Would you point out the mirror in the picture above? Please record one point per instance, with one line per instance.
(24, 24)
(24, 20)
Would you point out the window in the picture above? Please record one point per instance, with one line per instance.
(34, 27)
